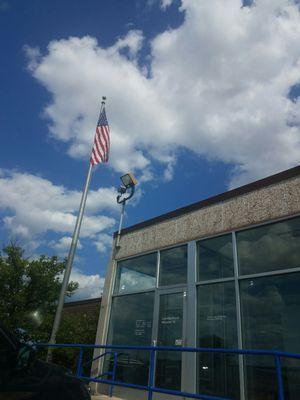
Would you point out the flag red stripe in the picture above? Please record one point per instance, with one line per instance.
(103, 146)
(96, 156)
(100, 151)
(104, 136)
(99, 147)
(105, 131)
(93, 160)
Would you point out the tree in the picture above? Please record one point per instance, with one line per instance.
(80, 328)
(29, 290)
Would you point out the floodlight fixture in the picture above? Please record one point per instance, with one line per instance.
(128, 180)
(128, 183)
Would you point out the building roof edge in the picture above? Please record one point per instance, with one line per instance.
(230, 194)
(81, 302)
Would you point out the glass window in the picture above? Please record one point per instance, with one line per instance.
(270, 247)
(137, 273)
(215, 258)
(173, 266)
(131, 324)
(216, 328)
(168, 363)
(270, 320)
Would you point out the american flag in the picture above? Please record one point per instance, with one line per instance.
(100, 150)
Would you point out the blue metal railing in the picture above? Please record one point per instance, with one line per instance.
(108, 373)
(151, 388)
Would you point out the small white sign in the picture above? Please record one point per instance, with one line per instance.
(216, 317)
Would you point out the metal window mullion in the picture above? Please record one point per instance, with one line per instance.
(157, 268)
(218, 280)
(133, 293)
(172, 290)
(238, 317)
(189, 360)
(155, 323)
(270, 273)
(172, 287)
(155, 314)
(184, 359)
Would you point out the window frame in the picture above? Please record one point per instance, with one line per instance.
(115, 275)
(179, 285)
(192, 285)
(204, 281)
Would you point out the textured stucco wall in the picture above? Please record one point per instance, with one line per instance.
(262, 205)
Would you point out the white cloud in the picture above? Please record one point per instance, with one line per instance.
(90, 286)
(147, 175)
(165, 3)
(63, 244)
(103, 242)
(133, 42)
(218, 86)
(35, 206)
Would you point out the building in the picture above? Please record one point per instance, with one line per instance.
(82, 307)
(79, 319)
(220, 273)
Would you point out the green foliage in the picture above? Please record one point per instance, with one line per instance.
(29, 290)
(76, 329)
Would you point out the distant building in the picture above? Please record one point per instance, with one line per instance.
(220, 273)
(82, 307)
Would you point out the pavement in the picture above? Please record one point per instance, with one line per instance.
(103, 397)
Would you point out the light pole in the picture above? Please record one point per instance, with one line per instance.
(128, 184)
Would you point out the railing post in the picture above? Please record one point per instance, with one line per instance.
(111, 388)
(151, 374)
(79, 362)
(279, 378)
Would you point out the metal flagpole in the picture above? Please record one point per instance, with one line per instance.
(69, 264)
(120, 224)
(70, 259)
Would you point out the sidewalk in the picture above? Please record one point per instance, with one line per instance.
(104, 397)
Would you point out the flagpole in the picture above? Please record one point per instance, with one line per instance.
(70, 259)
(69, 264)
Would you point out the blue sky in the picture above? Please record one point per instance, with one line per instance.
(201, 97)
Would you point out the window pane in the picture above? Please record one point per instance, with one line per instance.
(137, 273)
(270, 318)
(131, 324)
(215, 259)
(269, 247)
(216, 328)
(168, 363)
(173, 266)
